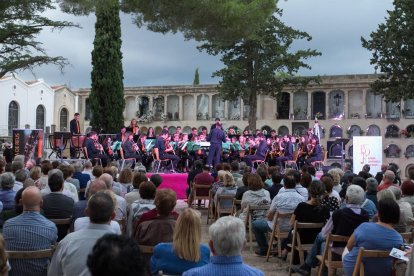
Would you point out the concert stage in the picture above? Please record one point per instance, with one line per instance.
(174, 181)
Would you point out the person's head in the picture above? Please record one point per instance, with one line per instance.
(66, 170)
(254, 182)
(355, 195)
(164, 133)
(21, 175)
(276, 178)
(306, 180)
(125, 176)
(396, 191)
(198, 164)
(235, 167)
(55, 180)
(17, 165)
(262, 172)
(228, 180)
(187, 235)
(88, 165)
(347, 166)
(18, 207)
(116, 255)
(316, 191)
(107, 178)
(337, 174)
(165, 201)
(31, 199)
(388, 176)
(76, 116)
(388, 211)
(385, 193)
(147, 190)
(372, 185)
(7, 181)
(35, 173)
(97, 171)
(312, 170)
(156, 179)
(101, 208)
(328, 182)
(363, 174)
(366, 168)
(289, 182)
(96, 186)
(227, 236)
(407, 188)
(357, 180)
(138, 179)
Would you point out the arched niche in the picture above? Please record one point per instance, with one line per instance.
(144, 129)
(187, 129)
(157, 130)
(409, 109)
(392, 131)
(63, 119)
(143, 106)
(130, 108)
(283, 130)
(218, 106)
(393, 110)
(40, 117)
(172, 129)
(373, 130)
(407, 168)
(336, 104)
(354, 130)
(266, 129)
(13, 119)
(409, 151)
(351, 151)
(336, 132)
(158, 103)
(300, 105)
(392, 151)
(234, 109)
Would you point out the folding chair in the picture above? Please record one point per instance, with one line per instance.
(250, 210)
(363, 253)
(85, 153)
(326, 257)
(224, 211)
(292, 163)
(297, 244)
(256, 163)
(123, 159)
(236, 206)
(158, 162)
(277, 233)
(319, 164)
(37, 254)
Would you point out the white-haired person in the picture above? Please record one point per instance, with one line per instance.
(342, 222)
(185, 251)
(227, 239)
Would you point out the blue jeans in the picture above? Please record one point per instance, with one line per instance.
(317, 248)
(260, 228)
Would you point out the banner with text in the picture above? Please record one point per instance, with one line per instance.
(367, 150)
(28, 142)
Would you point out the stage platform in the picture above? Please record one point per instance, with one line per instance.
(174, 181)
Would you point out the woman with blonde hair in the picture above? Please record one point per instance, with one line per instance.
(185, 252)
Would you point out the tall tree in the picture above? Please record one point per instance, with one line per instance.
(107, 93)
(196, 77)
(261, 64)
(20, 23)
(392, 47)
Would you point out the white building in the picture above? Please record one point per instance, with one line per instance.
(25, 104)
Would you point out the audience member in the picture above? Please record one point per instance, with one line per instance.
(298, 188)
(227, 239)
(375, 236)
(17, 210)
(229, 188)
(4, 263)
(156, 179)
(331, 197)
(407, 189)
(242, 189)
(337, 175)
(120, 208)
(276, 186)
(7, 194)
(29, 231)
(387, 180)
(125, 179)
(185, 251)
(116, 255)
(372, 188)
(20, 178)
(83, 179)
(367, 205)
(71, 253)
(406, 213)
(80, 206)
(142, 205)
(134, 194)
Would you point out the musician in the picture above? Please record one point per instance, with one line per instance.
(303, 151)
(94, 149)
(134, 129)
(130, 148)
(261, 149)
(204, 131)
(315, 152)
(165, 150)
(213, 126)
(150, 133)
(120, 136)
(287, 152)
(178, 130)
(74, 129)
(273, 135)
(216, 137)
(107, 147)
(192, 134)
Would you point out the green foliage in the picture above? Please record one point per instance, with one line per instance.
(392, 47)
(262, 64)
(107, 93)
(196, 78)
(20, 22)
(221, 21)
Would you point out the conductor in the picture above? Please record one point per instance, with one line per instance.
(74, 129)
(216, 137)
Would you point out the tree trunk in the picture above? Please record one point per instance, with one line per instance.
(253, 110)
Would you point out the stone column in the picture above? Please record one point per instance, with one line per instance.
(364, 102)
(210, 105)
(346, 105)
(309, 112)
(259, 107)
(165, 104)
(226, 110)
(241, 109)
(150, 103)
(181, 108)
(290, 104)
(327, 111)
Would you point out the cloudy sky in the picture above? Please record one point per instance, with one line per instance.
(155, 59)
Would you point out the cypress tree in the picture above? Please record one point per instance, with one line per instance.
(107, 93)
(196, 78)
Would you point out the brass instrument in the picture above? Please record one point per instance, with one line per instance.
(168, 147)
(311, 150)
(98, 146)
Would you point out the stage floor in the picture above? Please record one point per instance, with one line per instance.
(174, 181)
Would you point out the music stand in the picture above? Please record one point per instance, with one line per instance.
(343, 142)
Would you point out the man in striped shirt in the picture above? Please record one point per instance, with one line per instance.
(28, 232)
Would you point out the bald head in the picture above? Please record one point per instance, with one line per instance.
(96, 186)
(107, 179)
(31, 199)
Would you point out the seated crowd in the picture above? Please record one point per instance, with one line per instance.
(102, 221)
